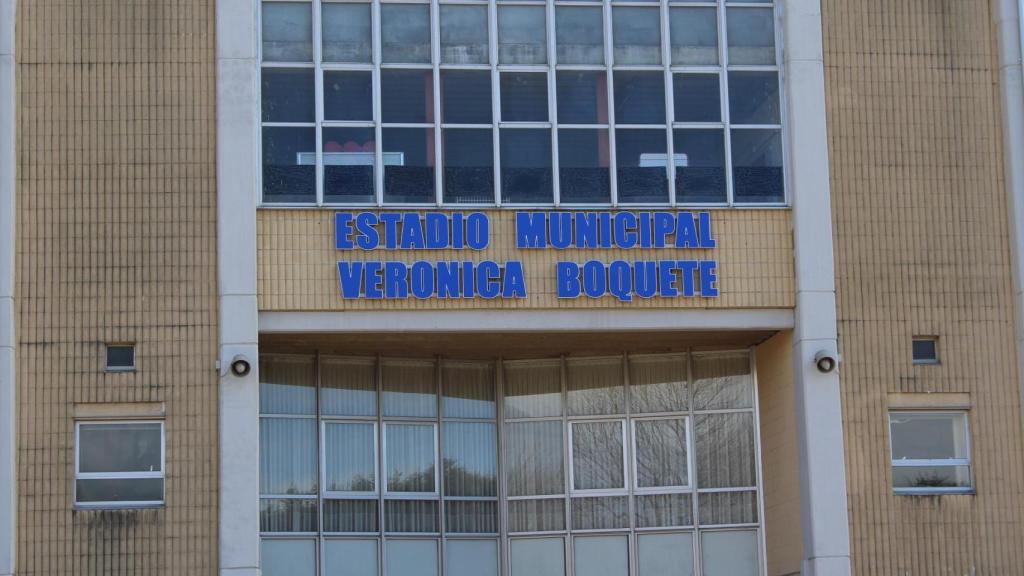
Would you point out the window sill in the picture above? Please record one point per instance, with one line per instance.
(935, 492)
(106, 506)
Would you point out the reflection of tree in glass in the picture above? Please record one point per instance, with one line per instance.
(932, 479)
(461, 481)
(597, 455)
(534, 458)
(417, 481)
(661, 453)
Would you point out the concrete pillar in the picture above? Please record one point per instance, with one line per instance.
(823, 500)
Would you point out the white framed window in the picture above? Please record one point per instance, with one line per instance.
(661, 455)
(930, 452)
(120, 357)
(119, 464)
(925, 349)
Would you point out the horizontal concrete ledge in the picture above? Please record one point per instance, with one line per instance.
(525, 320)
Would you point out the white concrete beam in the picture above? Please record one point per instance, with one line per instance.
(8, 336)
(237, 167)
(823, 497)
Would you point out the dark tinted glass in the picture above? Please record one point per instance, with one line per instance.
(583, 158)
(407, 96)
(348, 96)
(287, 95)
(120, 490)
(697, 98)
(129, 447)
(642, 170)
(524, 97)
(526, 165)
(754, 98)
(582, 97)
(466, 96)
(120, 356)
(289, 164)
(639, 98)
(468, 166)
(925, 350)
(700, 165)
(408, 165)
(349, 158)
(757, 166)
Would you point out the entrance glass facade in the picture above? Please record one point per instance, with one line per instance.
(623, 465)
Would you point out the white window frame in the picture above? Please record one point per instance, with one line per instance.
(141, 475)
(688, 488)
(388, 494)
(106, 360)
(925, 361)
(349, 494)
(573, 491)
(928, 462)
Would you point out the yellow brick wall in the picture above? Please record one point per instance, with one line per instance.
(116, 215)
(298, 264)
(922, 247)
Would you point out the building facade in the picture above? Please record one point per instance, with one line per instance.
(513, 287)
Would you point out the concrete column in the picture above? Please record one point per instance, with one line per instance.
(8, 340)
(237, 167)
(1011, 80)
(823, 500)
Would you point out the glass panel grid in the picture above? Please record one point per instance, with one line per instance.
(431, 160)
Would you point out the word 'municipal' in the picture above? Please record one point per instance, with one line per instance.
(397, 280)
(624, 230)
(411, 230)
(643, 278)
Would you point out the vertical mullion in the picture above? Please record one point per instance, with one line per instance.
(381, 476)
(549, 13)
(762, 544)
(499, 414)
(318, 98)
(691, 443)
(492, 46)
(629, 437)
(375, 39)
(435, 59)
(321, 465)
(666, 57)
(723, 42)
(438, 467)
(567, 464)
(609, 43)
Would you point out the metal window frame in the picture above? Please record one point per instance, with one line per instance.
(595, 492)
(326, 494)
(111, 368)
(685, 489)
(139, 475)
(963, 415)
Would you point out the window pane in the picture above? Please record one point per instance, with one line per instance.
(722, 381)
(468, 166)
(663, 510)
(129, 447)
(697, 97)
(349, 453)
(470, 459)
(289, 164)
(287, 515)
(757, 166)
(700, 165)
(537, 557)
(639, 98)
(411, 516)
(665, 554)
(287, 95)
(725, 450)
(524, 97)
(472, 558)
(407, 96)
(405, 33)
(658, 383)
(931, 477)
(287, 32)
(119, 490)
(923, 351)
(637, 34)
(408, 165)
(580, 34)
(582, 97)
(349, 158)
(732, 553)
(661, 453)
(595, 386)
(288, 557)
(350, 557)
(411, 557)
(350, 516)
(727, 508)
(348, 95)
(694, 34)
(546, 515)
(287, 385)
(348, 387)
(533, 453)
(288, 456)
(642, 170)
(522, 35)
(466, 96)
(468, 389)
(751, 35)
(471, 516)
(926, 436)
(597, 456)
(464, 34)
(601, 555)
(533, 389)
(120, 357)
(754, 98)
(583, 159)
(603, 513)
(526, 166)
(410, 457)
(409, 388)
(346, 32)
